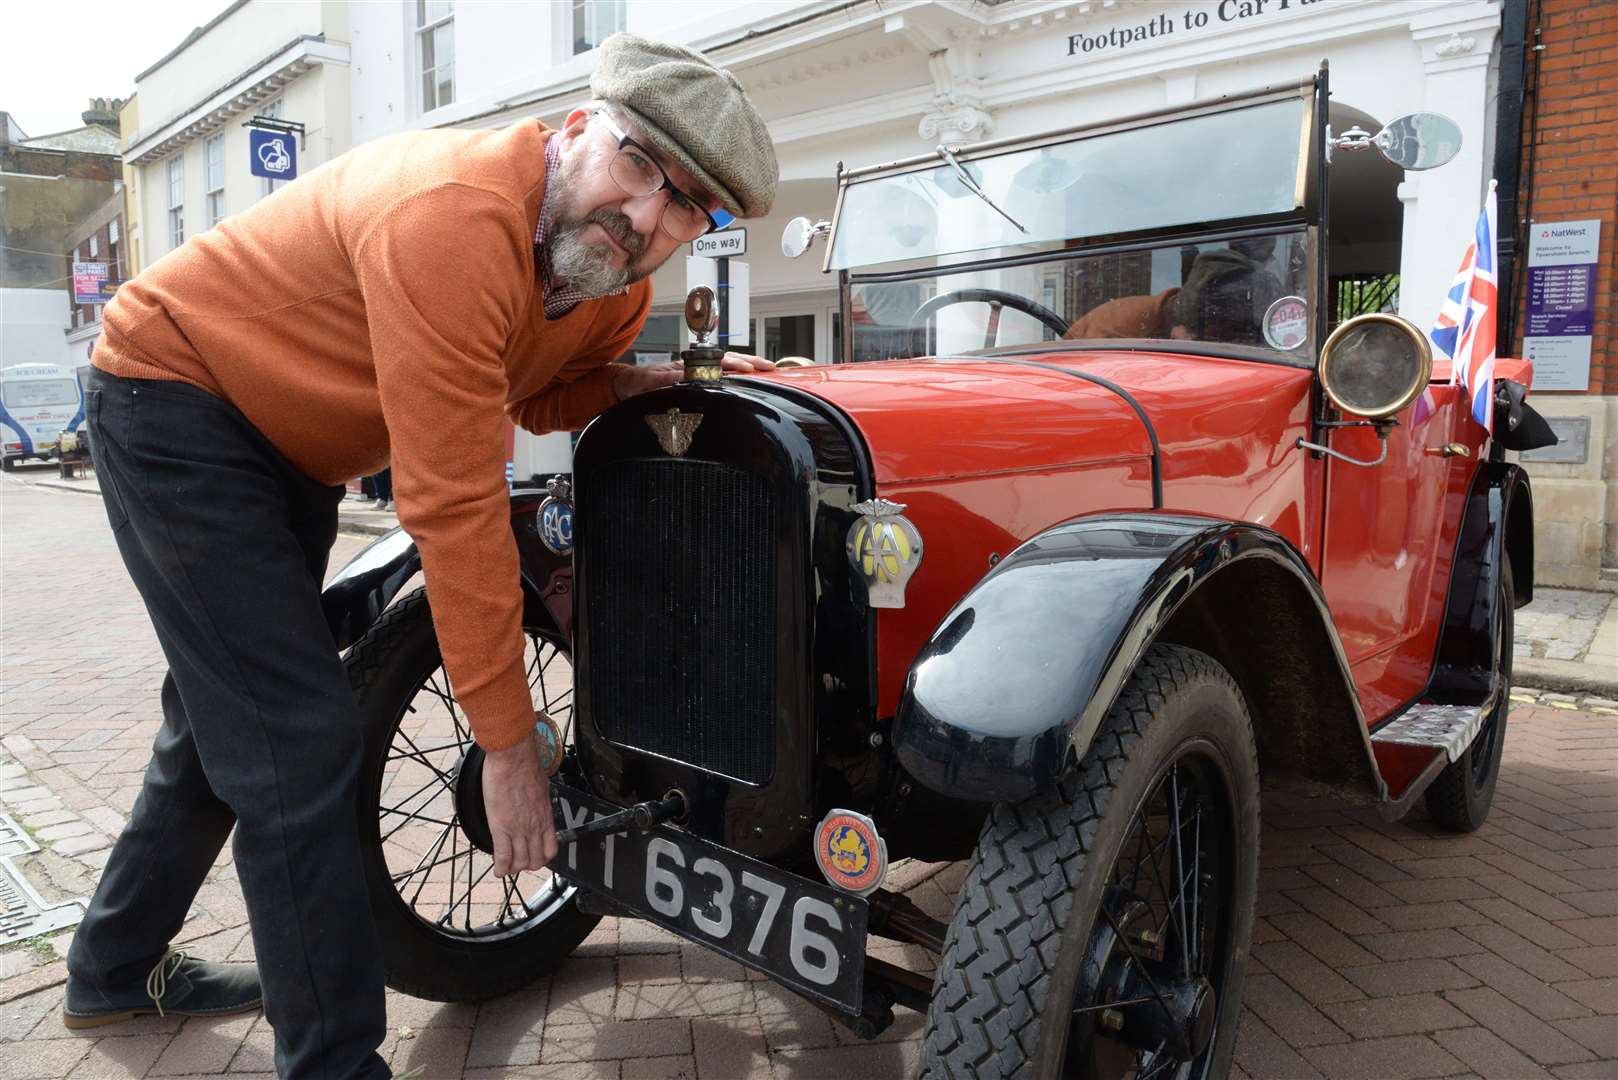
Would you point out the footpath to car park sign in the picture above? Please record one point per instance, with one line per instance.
(1562, 259)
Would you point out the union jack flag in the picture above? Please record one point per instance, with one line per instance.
(1465, 330)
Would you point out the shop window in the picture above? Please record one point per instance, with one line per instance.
(435, 49)
(214, 159)
(594, 21)
(176, 171)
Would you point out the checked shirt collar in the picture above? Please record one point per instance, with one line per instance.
(560, 297)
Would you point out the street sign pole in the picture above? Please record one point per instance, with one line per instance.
(723, 294)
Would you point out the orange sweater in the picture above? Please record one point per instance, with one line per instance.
(386, 307)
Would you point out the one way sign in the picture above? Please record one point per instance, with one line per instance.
(727, 243)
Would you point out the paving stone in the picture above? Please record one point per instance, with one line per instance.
(1598, 995)
(615, 1039)
(1408, 977)
(1405, 1058)
(1489, 1055)
(1404, 1015)
(1515, 983)
(117, 1058)
(1590, 1070)
(436, 1051)
(1541, 963)
(683, 999)
(730, 1046)
(1599, 1033)
(1518, 1026)
(1288, 1014)
(1331, 945)
(675, 1067)
(41, 1059)
(1299, 969)
(203, 1046)
(1414, 944)
(876, 1061)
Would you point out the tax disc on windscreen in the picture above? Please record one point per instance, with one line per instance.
(550, 742)
(1286, 323)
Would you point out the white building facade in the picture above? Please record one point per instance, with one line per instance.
(190, 161)
(865, 82)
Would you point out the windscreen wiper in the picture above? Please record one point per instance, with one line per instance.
(972, 185)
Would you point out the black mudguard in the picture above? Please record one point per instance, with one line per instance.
(1014, 683)
(357, 594)
(1497, 528)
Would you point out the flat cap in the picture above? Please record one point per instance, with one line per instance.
(694, 111)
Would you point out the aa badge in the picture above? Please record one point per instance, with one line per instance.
(556, 517)
(850, 852)
(550, 742)
(885, 549)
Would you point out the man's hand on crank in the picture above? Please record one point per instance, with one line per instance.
(517, 799)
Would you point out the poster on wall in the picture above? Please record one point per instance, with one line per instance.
(1562, 259)
(90, 284)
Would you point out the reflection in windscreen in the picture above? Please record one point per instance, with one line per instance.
(1239, 163)
(1251, 292)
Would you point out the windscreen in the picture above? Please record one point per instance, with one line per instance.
(1187, 171)
(27, 395)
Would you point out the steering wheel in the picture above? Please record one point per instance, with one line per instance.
(996, 299)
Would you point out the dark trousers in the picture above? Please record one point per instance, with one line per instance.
(227, 544)
(382, 482)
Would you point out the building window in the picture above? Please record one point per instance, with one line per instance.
(115, 255)
(213, 156)
(272, 111)
(435, 45)
(112, 232)
(594, 21)
(177, 200)
(94, 250)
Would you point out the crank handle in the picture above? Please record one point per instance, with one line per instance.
(641, 816)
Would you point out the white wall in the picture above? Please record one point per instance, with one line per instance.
(32, 322)
(250, 35)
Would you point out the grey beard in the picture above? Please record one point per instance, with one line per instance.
(578, 264)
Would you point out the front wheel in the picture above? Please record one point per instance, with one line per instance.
(1460, 798)
(450, 929)
(1103, 926)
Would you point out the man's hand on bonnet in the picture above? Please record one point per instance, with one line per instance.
(634, 380)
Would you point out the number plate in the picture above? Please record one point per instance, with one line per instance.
(807, 935)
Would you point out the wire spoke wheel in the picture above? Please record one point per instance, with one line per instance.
(1102, 928)
(1149, 987)
(437, 872)
(452, 929)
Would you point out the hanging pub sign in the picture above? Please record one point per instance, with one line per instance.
(275, 153)
(90, 284)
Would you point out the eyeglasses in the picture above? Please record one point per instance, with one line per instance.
(638, 174)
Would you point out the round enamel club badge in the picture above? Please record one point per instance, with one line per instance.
(850, 852)
(550, 742)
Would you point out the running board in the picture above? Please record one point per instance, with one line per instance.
(1413, 748)
(1450, 728)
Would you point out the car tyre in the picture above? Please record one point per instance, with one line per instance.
(1459, 800)
(1029, 966)
(389, 669)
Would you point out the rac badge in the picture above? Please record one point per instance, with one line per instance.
(674, 430)
(549, 737)
(556, 517)
(850, 852)
(885, 549)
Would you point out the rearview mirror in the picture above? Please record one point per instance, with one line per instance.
(799, 234)
(1415, 141)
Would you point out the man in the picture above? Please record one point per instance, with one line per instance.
(1222, 300)
(399, 302)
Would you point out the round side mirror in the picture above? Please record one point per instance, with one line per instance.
(1375, 365)
(799, 234)
(1419, 141)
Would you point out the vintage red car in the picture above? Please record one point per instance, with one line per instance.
(1115, 510)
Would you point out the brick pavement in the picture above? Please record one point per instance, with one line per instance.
(1381, 951)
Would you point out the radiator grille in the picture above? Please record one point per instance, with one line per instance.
(679, 576)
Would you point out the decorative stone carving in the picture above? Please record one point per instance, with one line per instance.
(954, 127)
(1456, 45)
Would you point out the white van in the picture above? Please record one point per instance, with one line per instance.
(37, 403)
